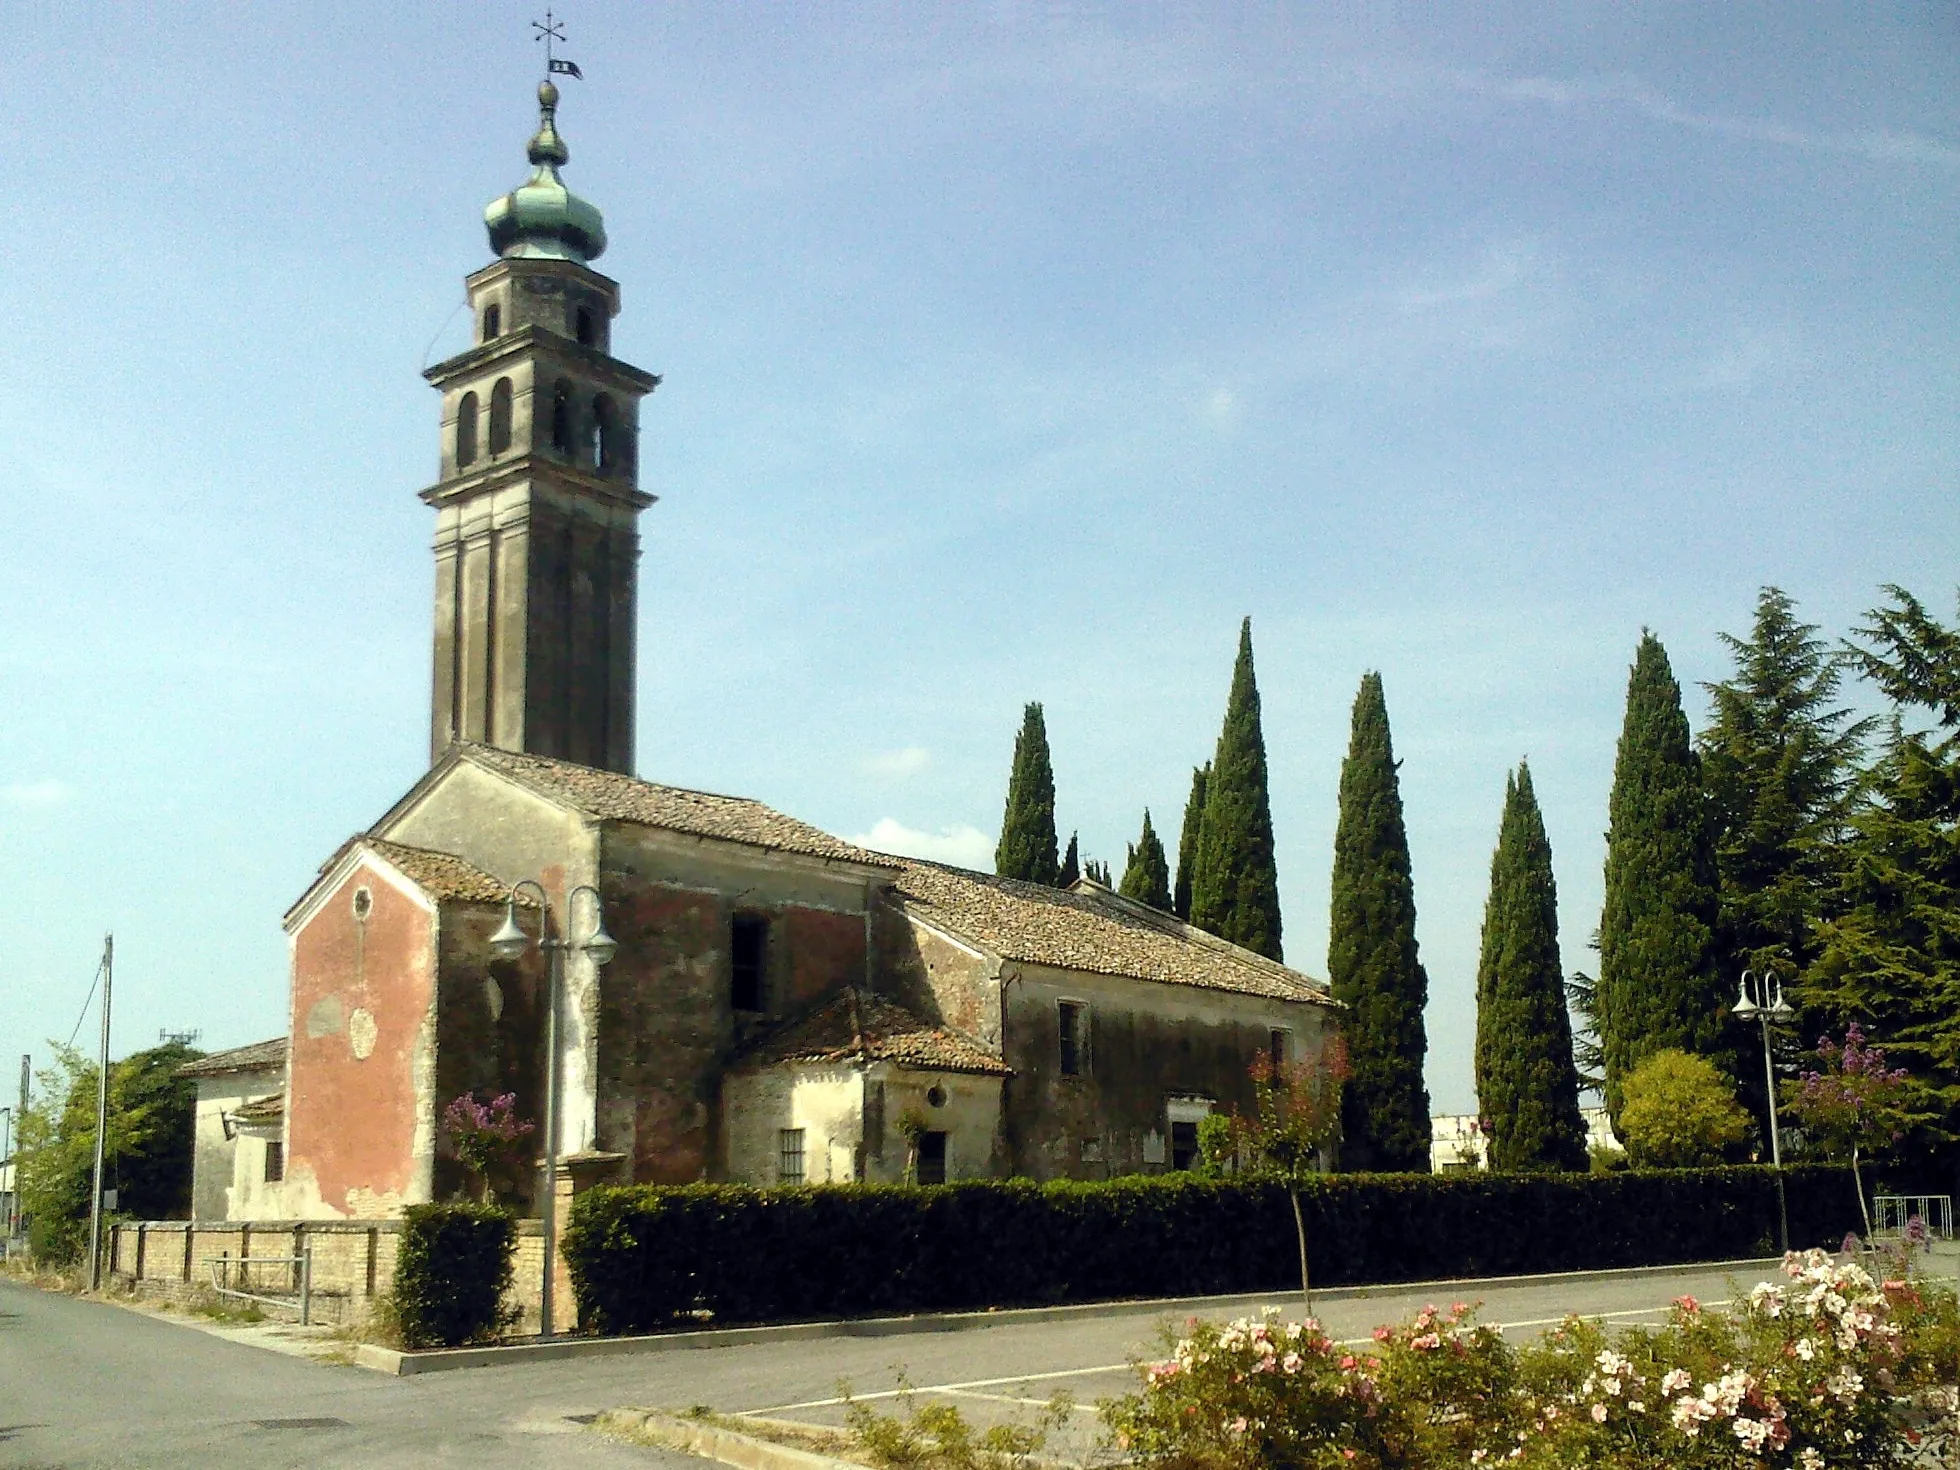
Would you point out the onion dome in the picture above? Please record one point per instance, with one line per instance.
(541, 217)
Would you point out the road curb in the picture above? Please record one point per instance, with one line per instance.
(442, 1360)
(710, 1442)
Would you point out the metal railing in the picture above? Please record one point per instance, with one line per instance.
(299, 1272)
(1890, 1212)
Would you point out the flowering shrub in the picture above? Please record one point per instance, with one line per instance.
(485, 1134)
(1828, 1369)
(1851, 1103)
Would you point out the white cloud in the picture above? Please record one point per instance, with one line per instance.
(34, 793)
(960, 845)
(1631, 91)
(900, 763)
(1504, 266)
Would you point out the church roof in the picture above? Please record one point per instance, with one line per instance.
(857, 1027)
(1092, 929)
(443, 875)
(260, 1056)
(610, 796)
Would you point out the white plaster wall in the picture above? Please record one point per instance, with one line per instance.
(214, 1157)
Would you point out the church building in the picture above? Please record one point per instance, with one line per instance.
(738, 995)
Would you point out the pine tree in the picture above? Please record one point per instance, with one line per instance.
(1027, 830)
(1372, 965)
(1071, 864)
(1658, 987)
(1147, 875)
(1891, 955)
(1187, 841)
(1780, 761)
(1527, 1085)
(1235, 889)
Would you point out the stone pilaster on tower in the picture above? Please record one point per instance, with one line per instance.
(538, 500)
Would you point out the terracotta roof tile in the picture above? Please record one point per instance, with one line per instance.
(608, 795)
(261, 1110)
(1092, 929)
(260, 1056)
(856, 1027)
(442, 875)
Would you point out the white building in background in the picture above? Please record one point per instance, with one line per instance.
(1457, 1143)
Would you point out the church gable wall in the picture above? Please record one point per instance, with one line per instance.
(361, 1120)
(497, 825)
(1140, 1044)
(668, 1024)
(490, 1040)
(935, 975)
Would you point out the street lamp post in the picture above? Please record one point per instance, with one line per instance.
(1769, 1012)
(509, 942)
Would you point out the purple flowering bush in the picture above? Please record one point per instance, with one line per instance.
(484, 1135)
(1827, 1369)
(1852, 1103)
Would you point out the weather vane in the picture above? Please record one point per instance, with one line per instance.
(548, 30)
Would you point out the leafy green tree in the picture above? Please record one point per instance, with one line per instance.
(1027, 829)
(1890, 956)
(1235, 890)
(1678, 1111)
(1295, 1119)
(1372, 964)
(1071, 864)
(1147, 875)
(146, 1152)
(1527, 1085)
(1780, 761)
(1187, 841)
(1658, 986)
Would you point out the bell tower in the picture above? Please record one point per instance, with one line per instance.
(538, 501)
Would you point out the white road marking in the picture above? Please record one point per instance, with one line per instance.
(966, 1389)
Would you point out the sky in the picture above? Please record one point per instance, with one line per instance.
(1011, 352)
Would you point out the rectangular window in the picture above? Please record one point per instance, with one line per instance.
(1074, 1034)
(1184, 1145)
(932, 1158)
(275, 1161)
(789, 1156)
(748, 950)
(1279, 1051)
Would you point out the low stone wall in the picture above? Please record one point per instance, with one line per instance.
(353, 1260)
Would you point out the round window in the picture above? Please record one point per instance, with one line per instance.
(937, 1097)
(363, 904)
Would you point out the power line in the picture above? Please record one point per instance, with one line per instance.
(86, 1004)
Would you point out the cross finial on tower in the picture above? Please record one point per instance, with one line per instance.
(548, 30)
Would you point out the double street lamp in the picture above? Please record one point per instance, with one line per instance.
(1769, 1013)
(509, 943)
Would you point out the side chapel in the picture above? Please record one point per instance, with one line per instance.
(783, 1006)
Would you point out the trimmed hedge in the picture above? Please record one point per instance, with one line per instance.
(454, 1273)
(647, 1256)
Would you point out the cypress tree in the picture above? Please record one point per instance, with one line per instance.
(1027, 830)
(1372, 965)
(1187, 841)
(1071, 864)
(1097, 871)
(1147, 875)
(1659, 986)
(1527, 1085)
(1235, 889)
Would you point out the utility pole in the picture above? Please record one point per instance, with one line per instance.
(101, 1120)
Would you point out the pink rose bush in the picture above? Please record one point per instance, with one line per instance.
(1828, 1368)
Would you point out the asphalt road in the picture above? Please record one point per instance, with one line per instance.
(84, 1384)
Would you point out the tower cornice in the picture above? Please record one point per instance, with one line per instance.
(526, 341)
(537, 469)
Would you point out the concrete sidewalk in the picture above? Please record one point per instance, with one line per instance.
(405, 1364)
